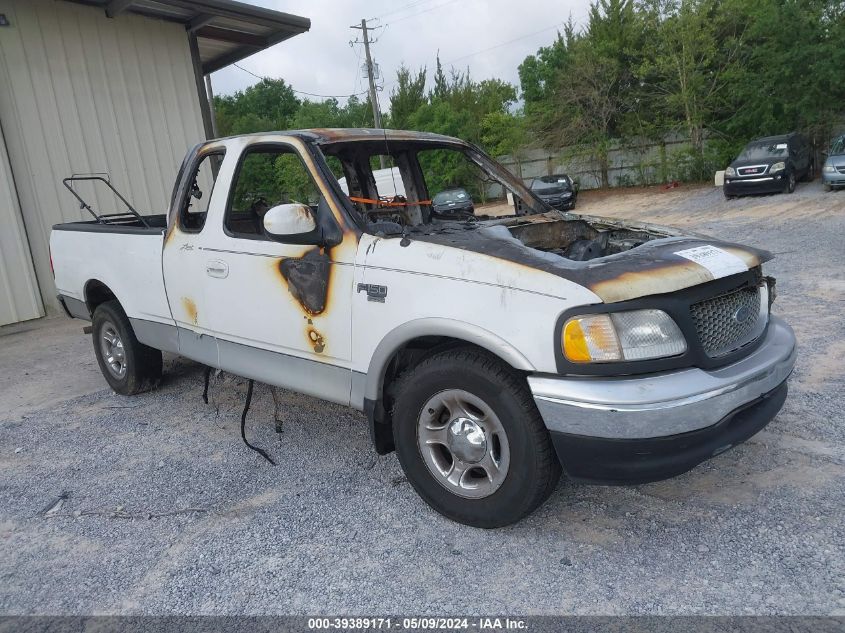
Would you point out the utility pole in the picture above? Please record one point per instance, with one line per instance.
(371, 79)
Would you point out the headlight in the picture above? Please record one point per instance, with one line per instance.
(777, 167)
(621, 336)
(730, 171)
(829, 169)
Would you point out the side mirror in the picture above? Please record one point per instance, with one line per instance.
(292, 224)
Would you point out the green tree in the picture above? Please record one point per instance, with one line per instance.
(790, 71)
(458, 105)
(587, 109)
(505, 133)
(407, 97)
(582, 91)
(539, 73)
(441, 86)
(330, 113)
(294, 180)
(691, 48)
(267, 105)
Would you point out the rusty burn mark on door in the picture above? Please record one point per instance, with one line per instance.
(190, 309)
(308, 279)
(316, 340)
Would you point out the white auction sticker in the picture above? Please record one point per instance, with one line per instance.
(720, 263)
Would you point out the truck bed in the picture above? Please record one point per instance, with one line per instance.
(124, 256)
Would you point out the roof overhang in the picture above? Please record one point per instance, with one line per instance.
(226, 31)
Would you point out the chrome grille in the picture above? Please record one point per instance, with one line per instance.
(752, 170)
(840, 169)
(729, 321)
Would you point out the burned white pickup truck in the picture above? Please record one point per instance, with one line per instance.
(490, 347)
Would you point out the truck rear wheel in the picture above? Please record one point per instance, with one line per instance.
(127, 365)
(471, 440)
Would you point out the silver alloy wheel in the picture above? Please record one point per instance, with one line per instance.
(463, 444)
(112, 348)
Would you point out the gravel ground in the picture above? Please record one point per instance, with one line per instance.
(166, 512)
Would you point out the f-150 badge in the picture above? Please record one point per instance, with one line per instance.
(374, 292)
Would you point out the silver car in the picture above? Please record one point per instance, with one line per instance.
(833, 172)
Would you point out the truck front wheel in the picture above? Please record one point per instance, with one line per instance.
(471, 440)
(127, 365)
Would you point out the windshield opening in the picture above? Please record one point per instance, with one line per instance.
(837, 148)
(421, 182)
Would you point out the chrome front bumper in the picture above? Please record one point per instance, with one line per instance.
(665, 404)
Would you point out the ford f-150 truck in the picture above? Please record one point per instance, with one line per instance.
(491, 352)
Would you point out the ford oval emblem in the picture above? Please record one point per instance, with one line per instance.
(742, 314)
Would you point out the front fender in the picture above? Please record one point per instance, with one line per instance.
(435, 326)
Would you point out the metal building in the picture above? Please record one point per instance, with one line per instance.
(103, 86)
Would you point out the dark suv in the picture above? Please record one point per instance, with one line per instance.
(557, 191)
(770, 165)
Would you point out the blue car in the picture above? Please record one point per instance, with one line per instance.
(833, 172)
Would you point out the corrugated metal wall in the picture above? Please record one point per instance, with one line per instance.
(82, 93)
(19, 298)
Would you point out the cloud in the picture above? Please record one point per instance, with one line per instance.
(467, 33)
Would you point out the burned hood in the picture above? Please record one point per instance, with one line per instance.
(666, 265)
(640, 259)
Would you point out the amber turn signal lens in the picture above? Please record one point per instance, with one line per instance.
(590, 339)
(626, 335)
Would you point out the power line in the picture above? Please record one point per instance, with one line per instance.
(410, 5)
(301, 92)
(413, 15)
(495, 46)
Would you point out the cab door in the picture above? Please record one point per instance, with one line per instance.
(185, 265)
(282, 312)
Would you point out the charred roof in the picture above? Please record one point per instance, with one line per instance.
(330, 136)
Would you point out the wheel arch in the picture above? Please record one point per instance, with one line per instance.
(421, 336)
(95, 293)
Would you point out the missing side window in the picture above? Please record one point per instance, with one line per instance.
(194, 209)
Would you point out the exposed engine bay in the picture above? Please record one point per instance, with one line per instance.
(579, 238)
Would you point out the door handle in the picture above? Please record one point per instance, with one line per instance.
(217, 268)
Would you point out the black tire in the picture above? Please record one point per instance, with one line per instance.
(533, 469)
(790, 182)
(727, 195)
(828, 188)
(139, 369)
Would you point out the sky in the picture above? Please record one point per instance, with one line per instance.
(491, 38)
